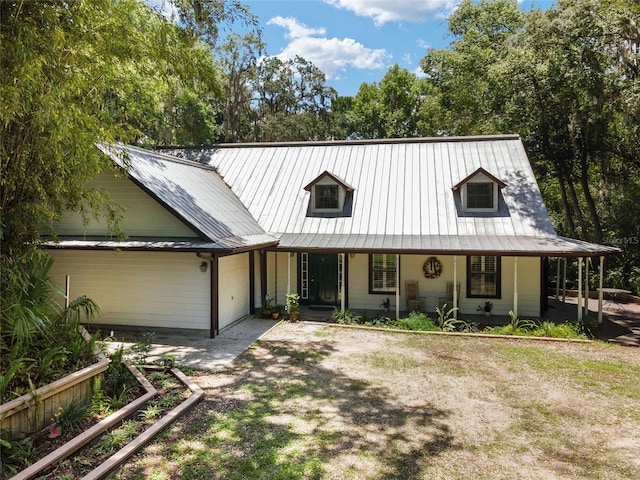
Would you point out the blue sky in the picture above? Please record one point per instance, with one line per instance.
(356, 41)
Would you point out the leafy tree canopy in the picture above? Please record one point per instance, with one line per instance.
(85, 71)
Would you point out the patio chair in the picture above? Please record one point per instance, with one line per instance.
(449, 298)
(415, 303)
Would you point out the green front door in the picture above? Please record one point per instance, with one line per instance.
(323, 279)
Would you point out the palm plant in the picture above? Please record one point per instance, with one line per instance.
(39, 339)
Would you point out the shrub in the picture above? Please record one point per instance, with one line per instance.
(416, 321)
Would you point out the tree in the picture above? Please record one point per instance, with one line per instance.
(566, 80)
(81, 72)
(400, 106)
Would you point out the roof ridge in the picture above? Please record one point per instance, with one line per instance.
(169, 157)
(320, 143)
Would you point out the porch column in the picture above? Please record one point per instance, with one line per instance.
(558, 278)
(586, 288)
(515, 286)
(600, 291)
(214, 297)
(579, 288)
(342, 299)
(397, 286)
(455, 286)
(289, 273)
(564, 280)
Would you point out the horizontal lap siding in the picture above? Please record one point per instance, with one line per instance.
(143, 216)
(435, 289)
(142, 289)
(233, 296)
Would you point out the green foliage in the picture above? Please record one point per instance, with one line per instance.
(446, 321)
(40, 340)
(78, 73)
(293, 303)
(344, 317)
(566, 79)
(416, 321)
(15, 454)
(72, 415)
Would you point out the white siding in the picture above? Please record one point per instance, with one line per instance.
(143, 216)
(435, 289)
(233, 295)
(277, 268)
(142, 289)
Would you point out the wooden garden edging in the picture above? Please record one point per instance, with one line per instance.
(88, 435)
(145, 437)
(34, 411)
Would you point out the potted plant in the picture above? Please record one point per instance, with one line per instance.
(488, 306)
(266, 309)
(277, 311)
(293, 306)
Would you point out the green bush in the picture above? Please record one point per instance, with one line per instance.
(416, 321)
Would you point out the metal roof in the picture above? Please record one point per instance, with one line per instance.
(516, 245)
(196, 194)
(403, 196)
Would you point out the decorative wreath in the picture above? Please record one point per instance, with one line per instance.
(432, 268)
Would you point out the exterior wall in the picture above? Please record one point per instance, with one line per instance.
(143, 215)
(141, 289)
(277, 268)
(233, 295)
(435, 289)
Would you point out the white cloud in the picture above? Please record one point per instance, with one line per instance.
(164, 7)
(384, 11)
(296, 29)
(331, 55)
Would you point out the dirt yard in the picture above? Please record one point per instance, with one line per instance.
(315, 401)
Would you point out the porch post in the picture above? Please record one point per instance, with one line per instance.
(586, 287)
(600, 291)
(515, 286)
(455, 286)
(397, 286)
(579, 288)
(289, 273)
(564, 280)
(558, 278)
(342, 299)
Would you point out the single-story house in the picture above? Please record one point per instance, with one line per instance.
(406, 223)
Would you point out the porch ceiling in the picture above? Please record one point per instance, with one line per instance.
(521, 246)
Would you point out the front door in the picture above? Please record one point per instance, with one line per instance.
(323, 279)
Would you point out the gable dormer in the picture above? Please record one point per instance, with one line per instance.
(479, 192)
(330, 196)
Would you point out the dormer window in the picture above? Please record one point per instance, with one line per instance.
(479, 192)
(326, 196)
(480, 195)
(330, 197)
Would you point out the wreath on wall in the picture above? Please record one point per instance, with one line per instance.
(432, 268)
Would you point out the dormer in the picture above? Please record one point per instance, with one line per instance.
(479, 192)
(330, 196)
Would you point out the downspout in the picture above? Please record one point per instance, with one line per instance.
(289, 272)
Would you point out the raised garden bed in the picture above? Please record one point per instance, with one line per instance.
(94, 457)
(32, 412)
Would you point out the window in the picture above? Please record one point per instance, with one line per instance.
(483, 276)
(326, 196)
(480, 195)
(382, 273)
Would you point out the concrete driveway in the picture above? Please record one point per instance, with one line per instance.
(196, 350)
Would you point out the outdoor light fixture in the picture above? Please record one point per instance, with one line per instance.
(204, 266)
(352, 255)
